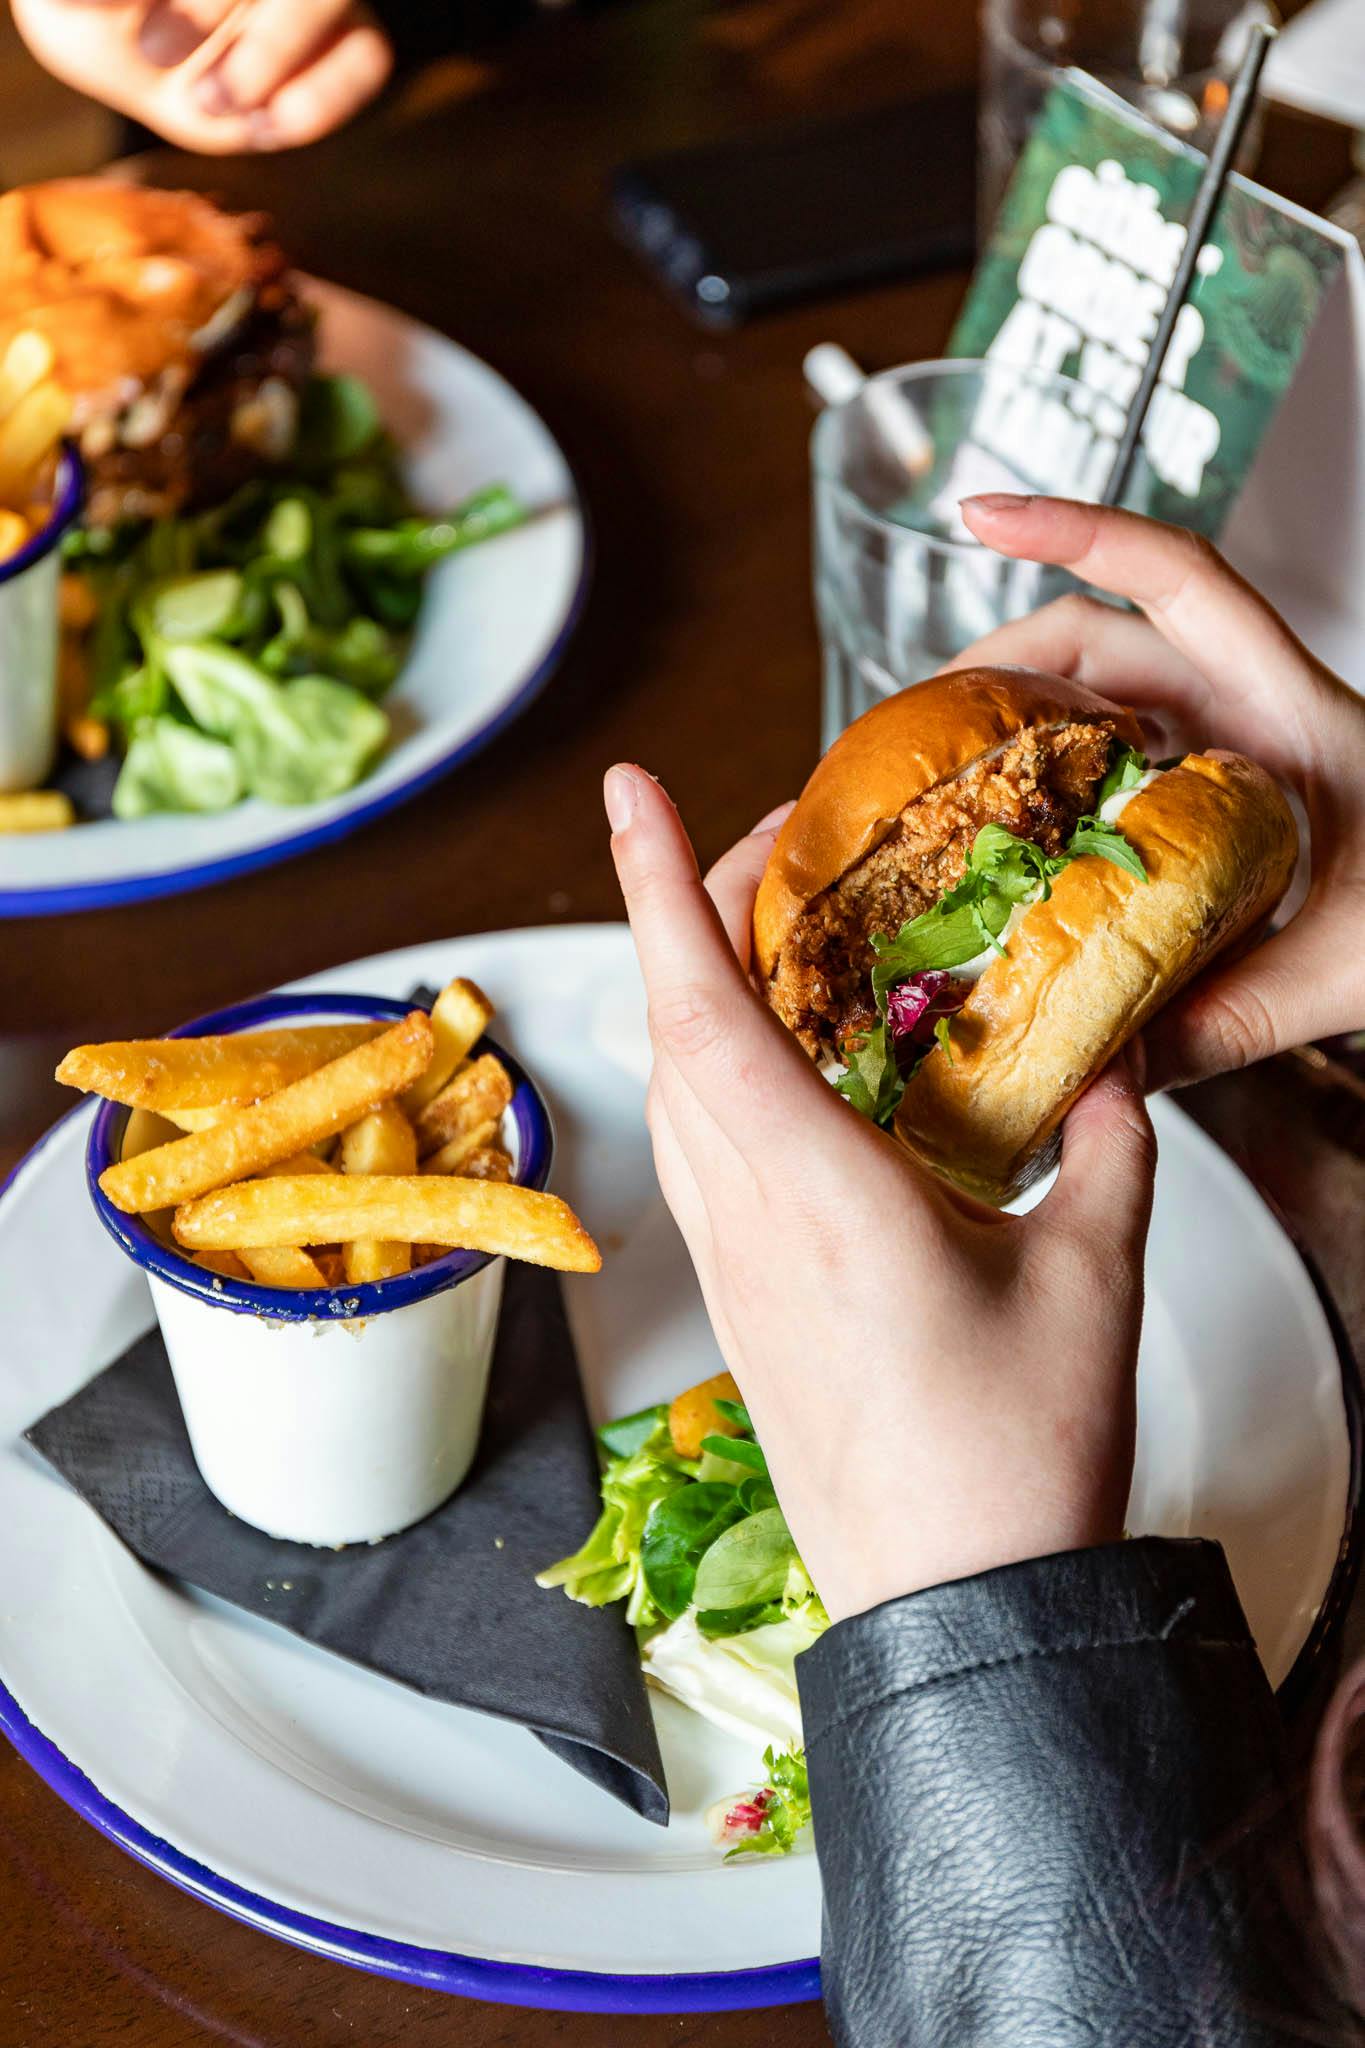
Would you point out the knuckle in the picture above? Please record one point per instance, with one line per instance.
(1238, 1028)
(687, 1023)
(1078, 613)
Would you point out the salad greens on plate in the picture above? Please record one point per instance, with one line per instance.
(242, 650)
(693, 1540)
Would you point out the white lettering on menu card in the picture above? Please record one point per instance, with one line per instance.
(1094, 279)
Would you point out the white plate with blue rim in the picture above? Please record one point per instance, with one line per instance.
(494, 623)
(335, 1810)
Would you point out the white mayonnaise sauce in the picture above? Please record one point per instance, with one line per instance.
(1113, 807)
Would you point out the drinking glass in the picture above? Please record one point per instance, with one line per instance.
(900, 584)
(1172, 59)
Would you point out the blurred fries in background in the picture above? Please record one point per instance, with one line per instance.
(36, 810)
(34, 414)
(411, 1115)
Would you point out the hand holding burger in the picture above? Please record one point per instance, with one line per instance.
(1211, 665)
(939, 1388)
(942, 1387)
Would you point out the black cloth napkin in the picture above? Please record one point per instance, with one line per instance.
(450, 1607)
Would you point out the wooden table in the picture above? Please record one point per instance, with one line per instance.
(475, 201)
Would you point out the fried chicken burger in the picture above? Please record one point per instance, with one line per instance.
(178, 336)
(986, 889)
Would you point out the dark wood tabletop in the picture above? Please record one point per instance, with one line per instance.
(474, 199)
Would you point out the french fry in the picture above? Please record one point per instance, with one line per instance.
(488, 1162)
(286, 1122)
(208, 1073)
(36, 810)
(476, 1215)
(478, 1094)
(28, 433)
(196, 1119)
(298, 1162)
(26, 362)
(226, 1263)
(452, 1156)
(86, 735)
(77, 605)
(14, 532)
(283, 1266)
(383, 1142)
(694, 1414)
(459, 1017)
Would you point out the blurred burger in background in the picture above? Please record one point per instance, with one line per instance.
(176, 334)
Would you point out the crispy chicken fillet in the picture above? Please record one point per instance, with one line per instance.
(1037, 787)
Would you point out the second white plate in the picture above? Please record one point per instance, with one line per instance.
(494, 622)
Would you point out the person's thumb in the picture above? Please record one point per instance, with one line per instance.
(1103, 1192)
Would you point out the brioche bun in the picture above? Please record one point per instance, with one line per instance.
(1084, 969)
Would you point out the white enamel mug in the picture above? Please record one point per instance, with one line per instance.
(341, 1414)
(28, 639)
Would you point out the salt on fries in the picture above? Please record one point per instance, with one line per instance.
(476, 1215)
(290, 1120)
(331, 1154)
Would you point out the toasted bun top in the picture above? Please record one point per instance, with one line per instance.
(902, 747)
(123, 281)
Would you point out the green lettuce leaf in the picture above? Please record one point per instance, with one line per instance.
(630, 1433)
(870, 1079)
(295, 742)
(677, 1536)
(1094, 836)
(1126, 771)
(609, 1566)
(747, 1564)
(171, 767)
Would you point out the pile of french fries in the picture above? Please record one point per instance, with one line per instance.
(331, 1154)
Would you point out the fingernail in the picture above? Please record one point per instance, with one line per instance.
(167, 37)
(999, 501)
(212, 95)
(263, 130)
(774, 817)
(1137, 1061)
(620, 794)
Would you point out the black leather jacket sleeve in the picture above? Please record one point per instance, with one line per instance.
(1035, 1797)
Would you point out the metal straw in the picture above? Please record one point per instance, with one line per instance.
(1241, 100)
